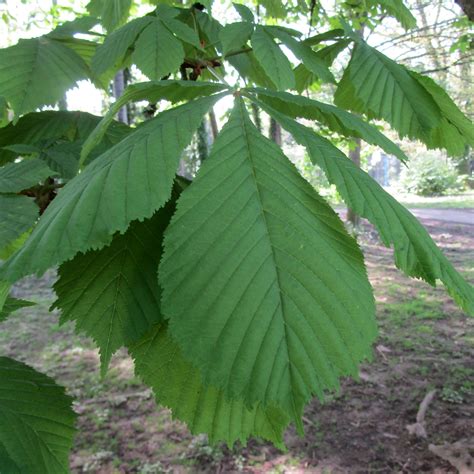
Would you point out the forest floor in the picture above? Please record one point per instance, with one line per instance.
(425, 343)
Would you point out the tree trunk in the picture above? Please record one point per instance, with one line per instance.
(118, 88)
(354, 155)
(213, 122)
(275, 131)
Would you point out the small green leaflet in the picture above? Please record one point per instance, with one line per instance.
(178, 386)
(182, 31)
(244, 12)
(249, 299)
(415, 252)
(379, 87)
(112, 294)
(398, 10)
(68, 29)
(88, 210)
(275, 64)
(153, 91)
(113, 13)
(11, 305)
(17, 215)
(36, 420)
(112, 52)
(37, 72)
(305, 54)
(327, 35)
(335, 118)
(235, 35)
(157, 51)
(15, 177)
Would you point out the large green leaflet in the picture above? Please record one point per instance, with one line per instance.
(415, 252)
(89, 209)
(381, 88)
(335, 118)
(37, 72)
(17, 215)
(112, 294)
(153, 91)
(15, 177)
(205, 409)
(250, 298)
(36, 420)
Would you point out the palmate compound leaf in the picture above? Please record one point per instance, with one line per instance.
(112, 294)
(335, 118)
(36, 420)
(15, 177)
(153, 91)
(379, 87)
(415, 252)
(265, 291)
(38, 72)
(90, 209)
(178, 385)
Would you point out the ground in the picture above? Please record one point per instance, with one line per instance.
(425, 343)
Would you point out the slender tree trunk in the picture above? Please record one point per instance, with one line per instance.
(354, 155)
(203, 141)
(118, 88)
(213, 122)
(275, 131)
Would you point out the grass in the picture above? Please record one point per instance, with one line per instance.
(456, 201)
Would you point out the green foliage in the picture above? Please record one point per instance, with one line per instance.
(245, 282)
(14, 177)
(11, 305)
(36, 428)
(38, 72)
(205, 409)
(240, 295)
(430, 175)
(123, 297)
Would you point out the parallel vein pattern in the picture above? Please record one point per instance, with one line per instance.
(415, 252)
(335, 118)
(129, 181)
(112, 294)
(265, 291)
(376, 85)
(177, 385)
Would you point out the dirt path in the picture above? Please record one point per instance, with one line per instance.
(455, 216)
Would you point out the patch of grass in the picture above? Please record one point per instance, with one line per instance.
(456, 201)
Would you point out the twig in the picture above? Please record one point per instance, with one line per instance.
(418, 428)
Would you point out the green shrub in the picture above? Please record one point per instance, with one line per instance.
(431, 174)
